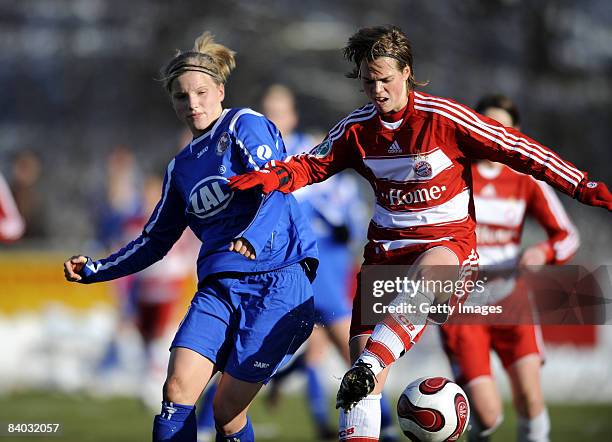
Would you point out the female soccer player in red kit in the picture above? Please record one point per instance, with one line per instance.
(11, 223)
(503, 198)
(416, 150)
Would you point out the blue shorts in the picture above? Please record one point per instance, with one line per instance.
(249, 325)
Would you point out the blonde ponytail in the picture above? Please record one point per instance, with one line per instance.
(207, 57)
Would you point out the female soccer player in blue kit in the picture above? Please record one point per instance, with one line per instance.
(254, 304)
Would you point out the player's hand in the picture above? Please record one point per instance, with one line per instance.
(242, 246)
(594, 193)
(533, 256)
(73, 266)
(270, 179)
(267, 179)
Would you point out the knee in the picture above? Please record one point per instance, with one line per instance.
(175, 390)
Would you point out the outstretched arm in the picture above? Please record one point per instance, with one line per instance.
(482, 137)
(163, 229)
(323, 161)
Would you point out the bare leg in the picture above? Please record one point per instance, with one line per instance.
(486, 407)
(232, 402)
(533, 420)
(188, 374)
(338, 333)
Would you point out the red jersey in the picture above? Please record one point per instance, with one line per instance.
(420, 168)
(503, 199)
(11, 222)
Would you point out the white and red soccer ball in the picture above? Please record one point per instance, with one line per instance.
(433, 410)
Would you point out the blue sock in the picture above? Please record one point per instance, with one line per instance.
(244, 435)
(176, 423)
(388, 432)
(110, 358)
(316, 397)
(386, 418)
(206, 418)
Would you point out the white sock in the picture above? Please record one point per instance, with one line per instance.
(536, 429)
(370, 359)
(362, 421)
(396, 334)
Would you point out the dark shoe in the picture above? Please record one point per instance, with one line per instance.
(356, 384)
(325, 432)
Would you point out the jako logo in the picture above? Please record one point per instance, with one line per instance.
(398, 197)
(207, 198)
(258, 364)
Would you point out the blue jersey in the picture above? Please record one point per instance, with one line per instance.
(195, 194)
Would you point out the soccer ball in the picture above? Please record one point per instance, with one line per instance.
(433, 410)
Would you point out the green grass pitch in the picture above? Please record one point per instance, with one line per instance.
(120, 419)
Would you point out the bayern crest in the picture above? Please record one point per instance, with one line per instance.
(223, 143)
(423, 169)
(322, 150)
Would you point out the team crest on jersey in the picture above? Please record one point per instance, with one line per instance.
(423, 169)
(488, 191)
(209, 197)
(322, 150)
(223, 143)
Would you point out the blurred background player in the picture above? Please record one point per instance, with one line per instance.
(333, 223)
(155, 293)
(122, 202)
(28, 193)
(503, 198)
(12, 225)
(122, 183)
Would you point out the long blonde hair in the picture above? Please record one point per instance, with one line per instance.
(206, 56)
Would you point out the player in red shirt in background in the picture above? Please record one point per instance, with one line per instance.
(11, 222)
(503, 198)
(416, 150)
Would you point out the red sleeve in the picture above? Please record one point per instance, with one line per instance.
(545, 207)
(480, 137)
(326, 159)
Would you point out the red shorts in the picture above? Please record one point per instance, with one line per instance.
(407, 256)
(153, 319)
(468, 347)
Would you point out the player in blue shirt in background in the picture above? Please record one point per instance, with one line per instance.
(336, 214)
(254, 305)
